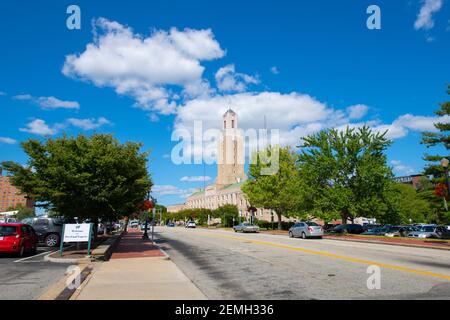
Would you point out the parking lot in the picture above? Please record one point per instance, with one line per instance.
(28, 277)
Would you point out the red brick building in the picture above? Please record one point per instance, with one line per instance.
(11, 196)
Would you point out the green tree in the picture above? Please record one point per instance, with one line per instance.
(346, 173)
(438, 139)
(410, 205)
(227, 213)
(88, 177)
(23, 212)
(280, 190)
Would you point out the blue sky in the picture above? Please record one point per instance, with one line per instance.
(153, 66)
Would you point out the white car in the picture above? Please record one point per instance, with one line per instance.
(190, 224)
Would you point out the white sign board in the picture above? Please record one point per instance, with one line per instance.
(77, 232)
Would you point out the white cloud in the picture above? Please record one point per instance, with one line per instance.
(144, 66)
(228, 79)
(357, 111)
(195, 179)
(48, 102)
(38, 127)
(88, 124)
(169, 190)
(402, 169)
(425, 17)
(7, 140)
(274, 70)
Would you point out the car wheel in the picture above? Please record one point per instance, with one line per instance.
(21, 251)
(235, 230)
(290, 234)
(303, 235)
(52, 240)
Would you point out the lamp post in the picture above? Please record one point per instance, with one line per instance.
(444, 164)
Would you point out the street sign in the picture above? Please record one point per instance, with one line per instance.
(77, 232)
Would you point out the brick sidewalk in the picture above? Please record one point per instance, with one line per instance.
(132, 246)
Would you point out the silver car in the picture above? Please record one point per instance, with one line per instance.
(246, 227)
(305, 230)
(426, 231)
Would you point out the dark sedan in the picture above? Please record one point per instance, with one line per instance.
(348, 228)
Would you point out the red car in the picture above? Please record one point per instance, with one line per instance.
(17, 238)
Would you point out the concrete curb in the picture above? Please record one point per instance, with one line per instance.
(60, 290)
(166, 255)
(389, 243)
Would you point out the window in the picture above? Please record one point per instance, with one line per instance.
(232, 124)
(41, 222)
(224, 124)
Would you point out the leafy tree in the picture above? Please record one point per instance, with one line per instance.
(281, 190)
(346, 173)
(411, 207)
(23, 212)
(88, 177)
(227, 213)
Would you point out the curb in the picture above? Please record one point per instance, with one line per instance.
(389, 243)
(60, 290)
(166, 255)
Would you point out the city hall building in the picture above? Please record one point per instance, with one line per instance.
(230, 176)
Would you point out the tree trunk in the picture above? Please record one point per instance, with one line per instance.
(279, 221)
(95, 228)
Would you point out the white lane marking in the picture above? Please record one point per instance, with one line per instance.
(37, 255)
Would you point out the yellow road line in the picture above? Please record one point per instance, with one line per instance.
(335, 256)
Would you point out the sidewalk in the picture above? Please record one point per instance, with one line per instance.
(138, 270)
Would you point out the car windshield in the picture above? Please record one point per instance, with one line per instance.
(7, 231)
(312, 224)
(427, 229)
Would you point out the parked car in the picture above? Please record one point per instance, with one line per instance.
(349, 228)
(378, 231)
(368, 227)
(425, 231)
(17, 238)
(48, 229)
(329, 226)
(305, 230)
(246, 227)
(190, 224)
(398, 231)
(442, 232)
(171, 224)
(8, 220)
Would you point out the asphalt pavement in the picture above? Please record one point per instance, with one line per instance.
(28, 277)
(226, 265)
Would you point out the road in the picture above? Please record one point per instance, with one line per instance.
(228, 265)
(28, 277)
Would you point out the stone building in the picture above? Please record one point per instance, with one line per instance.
(230, 176)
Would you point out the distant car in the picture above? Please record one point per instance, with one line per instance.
(349, 228)
(368, 227)
(442, 232)
(329, 226)
(378, 231)
(305, 230)
(17, 238)
(246, 227)
(48, 229)
(170, 224)
(8, 220)
(190, 224)
(134, 224)
(425, 231)
(398, 231)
